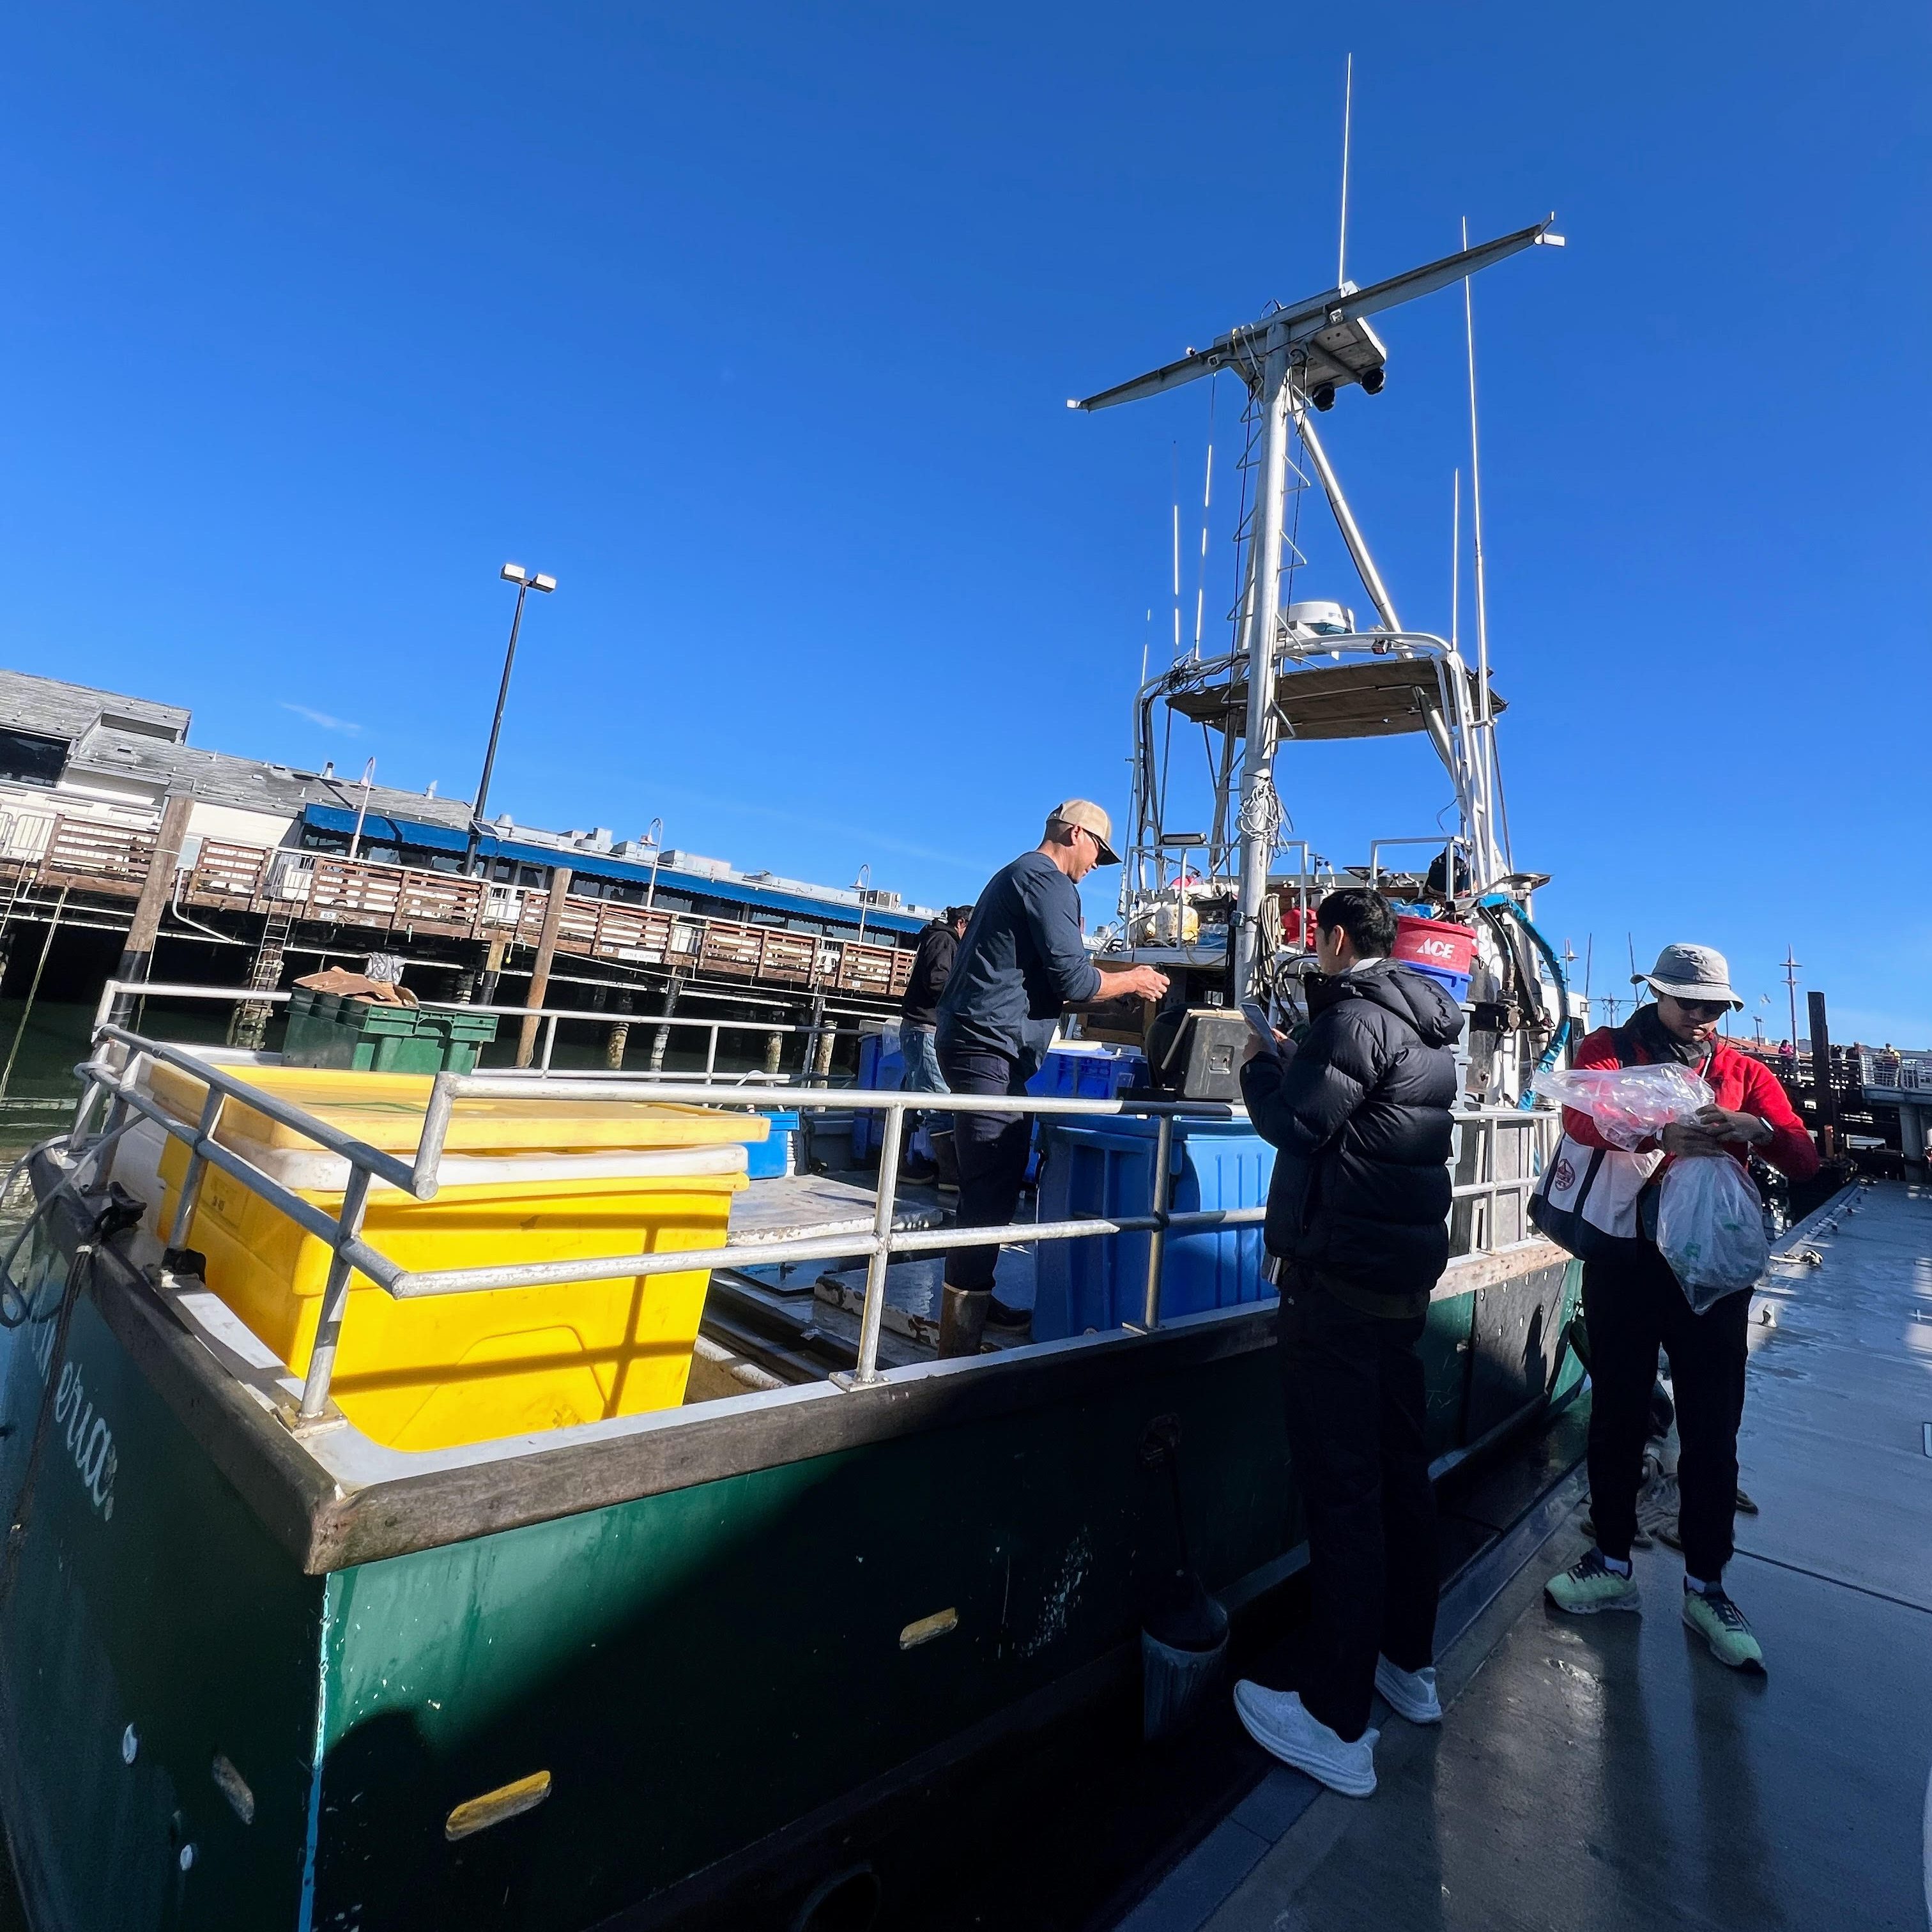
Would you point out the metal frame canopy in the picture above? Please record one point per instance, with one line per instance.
(1390, 692)
(1292, 361)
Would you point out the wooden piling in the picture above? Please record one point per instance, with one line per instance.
(619, 1037)
(137, 957)
(493, 971)
(553, 920)
(1821, 1091)
(824, 1038)
(661, 1039)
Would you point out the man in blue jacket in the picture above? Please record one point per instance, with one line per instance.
(1022, 962)
(1357, 1217)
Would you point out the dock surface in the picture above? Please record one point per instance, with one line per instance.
(1606, 1772)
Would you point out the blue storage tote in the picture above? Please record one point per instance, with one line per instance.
(1455, 985)
(1105, 1168)
(771, 1158)
(1088, 1070)
(881, 1070)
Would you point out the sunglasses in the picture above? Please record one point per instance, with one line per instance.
(1703, 1010)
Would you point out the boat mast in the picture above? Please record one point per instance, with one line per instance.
(1293, 359)
(1260, 816)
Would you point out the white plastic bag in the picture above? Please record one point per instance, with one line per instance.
(1710, 1222)
(1710, 1228)
(1629, 1105)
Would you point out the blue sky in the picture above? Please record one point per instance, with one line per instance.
(754, 325)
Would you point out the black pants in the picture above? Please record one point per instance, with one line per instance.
(1355, 1409)
(1632, 1308)
(992, 1150)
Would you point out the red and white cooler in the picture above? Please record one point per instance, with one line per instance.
(1444, 952)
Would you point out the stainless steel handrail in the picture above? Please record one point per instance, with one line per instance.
(551, 1016)
(351, 1255)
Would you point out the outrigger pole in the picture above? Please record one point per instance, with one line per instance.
(1293, 359)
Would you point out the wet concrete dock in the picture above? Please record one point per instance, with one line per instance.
(1606, 1772)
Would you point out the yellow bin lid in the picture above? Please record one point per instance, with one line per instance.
(385, 1111)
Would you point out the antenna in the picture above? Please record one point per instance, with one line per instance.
(1177, 551)
(1791, 965)
(1589, 960)
(1455, 559)
(1484, 714)
(1347, 111)
(1207, 497)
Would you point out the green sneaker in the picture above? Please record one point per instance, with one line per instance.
(1721, 1624)
(1589, 1586)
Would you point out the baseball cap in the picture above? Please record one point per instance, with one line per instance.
(1088, 816)
(1689, 973)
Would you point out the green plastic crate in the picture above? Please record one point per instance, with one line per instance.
(328, 1030)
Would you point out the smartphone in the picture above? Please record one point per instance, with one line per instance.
(1259, 1024)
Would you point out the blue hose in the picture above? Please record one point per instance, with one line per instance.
(1560, 1038)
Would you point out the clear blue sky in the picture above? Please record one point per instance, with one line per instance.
(754, 325)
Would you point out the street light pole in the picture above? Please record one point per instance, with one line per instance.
(362, 810)
(526, 581)
(860, 885)
(654, 838)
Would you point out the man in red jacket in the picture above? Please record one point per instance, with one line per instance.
(1632, 1304)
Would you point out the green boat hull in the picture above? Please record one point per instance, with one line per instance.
(235, 1692)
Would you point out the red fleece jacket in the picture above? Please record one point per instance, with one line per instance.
(1742, 1084)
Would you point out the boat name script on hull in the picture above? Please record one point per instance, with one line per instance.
(89, 1441)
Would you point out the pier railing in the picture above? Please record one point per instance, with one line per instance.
(110, 859)
(112, 1077)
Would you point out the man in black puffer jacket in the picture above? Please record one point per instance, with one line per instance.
(1358, 1219)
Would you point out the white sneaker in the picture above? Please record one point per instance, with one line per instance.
(1412, 1693)
(1277, 1722)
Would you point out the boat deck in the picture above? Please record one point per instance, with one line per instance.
(1606, 1772)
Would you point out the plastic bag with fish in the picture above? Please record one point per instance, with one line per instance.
(1710, 1228)
(1629, 1105)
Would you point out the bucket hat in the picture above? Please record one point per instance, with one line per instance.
(1689, 973)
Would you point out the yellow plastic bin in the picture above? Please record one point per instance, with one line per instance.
(386, 1110)
(535, 1180)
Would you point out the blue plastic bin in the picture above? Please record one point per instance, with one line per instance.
(1105, 1167)
(1088, 1071)
(1455, 985)
(881, 1070)
(771, 1158)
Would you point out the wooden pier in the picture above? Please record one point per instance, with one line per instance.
(315, 897)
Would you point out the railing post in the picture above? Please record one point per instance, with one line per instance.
(711, 1052)
(1163, 1156)
(189, 1198)
(78, 1135)
(334, 1300)
(550, 1040)
(876, 1263)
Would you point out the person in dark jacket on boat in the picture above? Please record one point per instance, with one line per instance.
(1358, 1212)
(919, 1021)
(1022, 962)
(1632, 1305)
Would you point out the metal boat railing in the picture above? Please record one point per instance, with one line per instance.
(552, 1017)
(113, 1076)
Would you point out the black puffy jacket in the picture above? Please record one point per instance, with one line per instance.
(1360, 1119)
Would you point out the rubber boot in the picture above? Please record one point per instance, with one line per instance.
(962, 1319)
(946, 1158)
